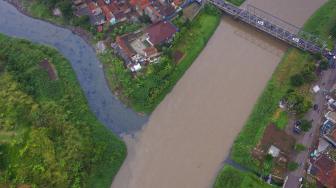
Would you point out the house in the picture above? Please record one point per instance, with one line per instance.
(326, 127)
(123, 49)
(331, 137)
(135, 47)
(154, 9)
(95, 13)
(160, 33)
(324, 171)
(331, 116)
(331, 104)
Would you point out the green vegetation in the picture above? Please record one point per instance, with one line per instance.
(43, 9)
(309, 184)
(145, 91)
(230, 177)
(124, 28)
(279, 85)
(305, 125)
(304, 76)
(322, 22)
(292, 166)
(299, 147)
(296, 102)
(236, 2)
(280, 119)
(51, 137)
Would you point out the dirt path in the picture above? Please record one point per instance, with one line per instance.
(190, 134)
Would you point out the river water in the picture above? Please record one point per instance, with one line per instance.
(191, 132)
(109, 110)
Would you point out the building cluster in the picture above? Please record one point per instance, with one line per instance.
(110, 12)
(322, 165)
(139, 48)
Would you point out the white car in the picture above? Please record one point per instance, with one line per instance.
(295, 39)
(260, 22)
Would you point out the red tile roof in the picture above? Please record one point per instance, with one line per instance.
(150, 51)
(122, 44)
(140, 3)
(92, 6)
(325, 171)
(161, 32)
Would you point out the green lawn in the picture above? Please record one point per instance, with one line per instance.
(267, 104)
(49, 137)
(144, 92)
(230, 177)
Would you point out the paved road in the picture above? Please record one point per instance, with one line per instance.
(326, 82)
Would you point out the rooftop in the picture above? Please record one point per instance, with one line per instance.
(324, 169)
(161, 32)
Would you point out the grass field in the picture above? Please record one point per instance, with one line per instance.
(266, 107)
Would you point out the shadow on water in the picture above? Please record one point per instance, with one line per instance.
(108, 109)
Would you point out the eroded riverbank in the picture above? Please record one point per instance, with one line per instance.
(190, 133)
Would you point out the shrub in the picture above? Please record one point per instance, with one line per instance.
(299, 147)
(305, 125)
(292, 166)
(297, 80)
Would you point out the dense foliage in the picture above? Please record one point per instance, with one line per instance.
(280, 84)
(146, 90)
(230, 177)
(43, 9)
(49, 138)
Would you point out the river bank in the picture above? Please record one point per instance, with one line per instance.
(85, 35)
(191, 132)
(292, 63)
(82, 57)
(49, 137)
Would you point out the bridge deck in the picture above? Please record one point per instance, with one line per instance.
(275, 27)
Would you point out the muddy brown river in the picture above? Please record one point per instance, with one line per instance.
(191, 132)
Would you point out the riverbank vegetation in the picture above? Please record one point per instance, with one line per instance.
(281, 87)
(236, 2)
(51, 139)
(43, 9)
(231, 177)
(144, 91)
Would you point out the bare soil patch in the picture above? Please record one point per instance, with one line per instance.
(49, 67)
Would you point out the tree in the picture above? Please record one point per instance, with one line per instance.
(324, 65)
(297, 80)
(292, 166)
(296, 102)
(305, 125)
(299, 147)
(66, 8)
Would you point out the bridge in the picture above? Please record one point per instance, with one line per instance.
(277, 27)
